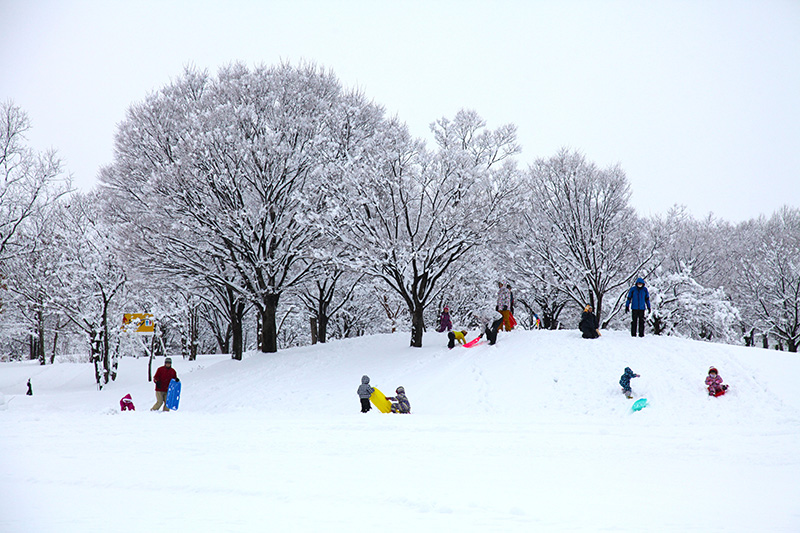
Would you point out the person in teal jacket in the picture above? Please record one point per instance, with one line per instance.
(638, 301)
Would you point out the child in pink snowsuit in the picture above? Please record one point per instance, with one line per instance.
(714, 383)
(126, 403)
(444, 321)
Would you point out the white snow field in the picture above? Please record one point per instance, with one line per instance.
(532, 434)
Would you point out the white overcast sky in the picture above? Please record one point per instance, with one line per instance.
(698, 100)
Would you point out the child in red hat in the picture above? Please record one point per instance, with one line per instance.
(714, 383)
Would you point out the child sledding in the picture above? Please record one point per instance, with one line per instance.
(400, 403)
(385, 404)
(714, 383)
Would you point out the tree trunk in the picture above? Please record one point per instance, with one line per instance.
(417, 326)
(55, 345)
(596, 301)
(193, 333)
(269, 330)
(322, 329)
(750, 339)
(96, 343)
(313, 330)
(237, 319)
(40, 332)
(115, 361)
(105, 347)
(150, 361)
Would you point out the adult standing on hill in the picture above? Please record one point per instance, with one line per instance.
(638, 301)
(163, 376)
(504, 304)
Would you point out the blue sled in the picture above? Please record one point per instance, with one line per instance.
(638, 405)
(173, 395)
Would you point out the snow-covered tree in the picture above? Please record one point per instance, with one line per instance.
(30, 183)
(91, 279)
(577, 223)
(33, 281)
(227, 173)
(324, 294)
(471, 291)
(681, 306)
(29, 180)
(412, 215)
(769, 275)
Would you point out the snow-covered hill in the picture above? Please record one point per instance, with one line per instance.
(529, 435)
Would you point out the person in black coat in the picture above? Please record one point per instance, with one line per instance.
(589, 325)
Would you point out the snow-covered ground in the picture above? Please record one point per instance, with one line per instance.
(529, 435)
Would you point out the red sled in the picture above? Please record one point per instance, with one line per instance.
(473, 342)
(720, 392)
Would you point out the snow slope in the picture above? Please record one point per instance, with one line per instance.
(529, 435)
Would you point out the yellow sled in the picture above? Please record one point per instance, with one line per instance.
(379, 400)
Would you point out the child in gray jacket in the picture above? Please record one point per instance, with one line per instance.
(364, 392)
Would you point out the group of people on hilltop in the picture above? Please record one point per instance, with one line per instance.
(490, 325)
(637, 302)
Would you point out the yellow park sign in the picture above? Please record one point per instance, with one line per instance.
(142, 322)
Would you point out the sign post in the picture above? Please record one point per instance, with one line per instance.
(145, 325)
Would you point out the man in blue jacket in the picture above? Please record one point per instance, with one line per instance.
(638, 301)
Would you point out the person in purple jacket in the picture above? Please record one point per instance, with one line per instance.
(444, 320)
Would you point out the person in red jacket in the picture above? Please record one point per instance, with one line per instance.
(163, 376)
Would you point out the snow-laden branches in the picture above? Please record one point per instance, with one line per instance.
(410, 215)
(225, 177)
(577, 224)
(30, 181)
(770, 274)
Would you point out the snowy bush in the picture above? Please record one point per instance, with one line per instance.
(683, 307)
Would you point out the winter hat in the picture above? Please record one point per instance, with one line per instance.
(587, 308)
(400, 390)
(446, 309)
(712, 369)
(168, 360)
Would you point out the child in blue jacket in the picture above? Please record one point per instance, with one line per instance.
(625, 382)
